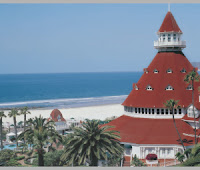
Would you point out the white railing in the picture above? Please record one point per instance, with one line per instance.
(169, 44)
(61, 127)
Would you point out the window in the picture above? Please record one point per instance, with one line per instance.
(158, 111)
(169, 88)
(145, 111)
(142, 110)
(149, 88)
(149, 111)
(135, 110)
(152, 111)
(166, 111)
(162, 111)
(169, 37)
(174, 37)
(136, 87)
(171, 112)
(189, 87)
(59, 118)
(183, 70)
(155, 71)
(175, 111)
(138, 110)
(169, 70)
(179, 111)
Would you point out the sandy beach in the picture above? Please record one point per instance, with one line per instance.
(91, 112)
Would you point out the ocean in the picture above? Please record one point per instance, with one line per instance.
(65, 90)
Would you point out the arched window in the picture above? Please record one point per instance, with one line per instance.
(183, 70)
(169, 88)
(149, 88)
(155, 71)
(189, 87)
(169, 70)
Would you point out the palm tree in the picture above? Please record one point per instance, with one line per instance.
(171, 105)
(1, 127)
(24, 111)
(14, 113)
(91, 143)
(41, 133)
(191, 77)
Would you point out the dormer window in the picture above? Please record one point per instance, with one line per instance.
(169, 88)
(169, 70)
(189, 87)
(183, 71)
(136, 87)
(155, 71)
(149, 88)
(145, 70)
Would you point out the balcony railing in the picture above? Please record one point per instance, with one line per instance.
(158, 44)
(61, 127)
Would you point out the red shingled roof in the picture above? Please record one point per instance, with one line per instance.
(169, 24)
(152, 131)
(54, 115)
(159, 81)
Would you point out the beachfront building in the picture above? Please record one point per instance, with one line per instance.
(147, 125)
(60, 122)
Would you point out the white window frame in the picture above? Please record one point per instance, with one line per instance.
(169, 88)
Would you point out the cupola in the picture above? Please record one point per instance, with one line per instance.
(169, 35)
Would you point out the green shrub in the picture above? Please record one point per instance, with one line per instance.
(6, 155)
(50, 158)
(12, 162)
(137, 162)
(194, 161)
(20, 157)
(27, 161)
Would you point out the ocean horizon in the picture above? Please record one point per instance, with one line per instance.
(65, 90)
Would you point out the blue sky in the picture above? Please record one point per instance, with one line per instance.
(53, 38)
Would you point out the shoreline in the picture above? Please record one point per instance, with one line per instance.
(101, 112)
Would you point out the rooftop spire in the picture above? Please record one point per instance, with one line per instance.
(169, 7)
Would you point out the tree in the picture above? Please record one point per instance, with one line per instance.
(24, 111)
(91, 143)
(41, 133)
(194, 159)
(1, 127)
(191, 77)
(137, 162)
(171, 105)
(14, 113)
(51, 158)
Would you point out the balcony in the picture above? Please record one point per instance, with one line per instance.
(62, 127)
(161, 44)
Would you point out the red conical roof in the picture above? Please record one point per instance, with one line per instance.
(55, 114)
(169, 24)
(176, 61)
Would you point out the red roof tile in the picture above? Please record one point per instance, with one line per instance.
(152, 131)
(159, 81)
(169, 24)
(54, 115)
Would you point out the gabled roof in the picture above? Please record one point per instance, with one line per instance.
(54, 115)
(169, 24)
(152, 131)
(156, 98)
